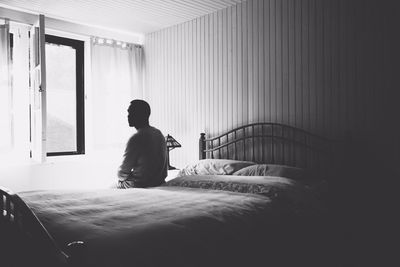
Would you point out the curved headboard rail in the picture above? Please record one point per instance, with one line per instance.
(20, 227)
(271, 143)
(299, 130)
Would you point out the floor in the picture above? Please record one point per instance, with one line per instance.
(94, 172)
(80, 173)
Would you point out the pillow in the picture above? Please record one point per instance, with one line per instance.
(271, 187)
(214, 167)
(253, 170)
(274, 170)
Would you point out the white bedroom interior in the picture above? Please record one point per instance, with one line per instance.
(113, 64)
(329, 67)
(324, 66)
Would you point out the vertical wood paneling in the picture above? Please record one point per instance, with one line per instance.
(224, 79)
(352, 65)
(202, 71)
(278, 60)
(297, 62)
(267, 66)
(291, 64)
(235, 55)
(207, 69)
(261, 63)
(304, 37)
(220, 77)
(313, 60)
(229, 79)
(321, 51)
(191, 72)
(341, 65)
(285, 61)
(314, 64)
(240, 64)
(254, 64)
(272, 62)
(216, 105)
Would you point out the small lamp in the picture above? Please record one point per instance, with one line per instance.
(171, 144)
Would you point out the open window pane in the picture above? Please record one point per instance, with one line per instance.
(61, 98)
(64, 96)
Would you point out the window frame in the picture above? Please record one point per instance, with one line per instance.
(10, 146)
(79, 47)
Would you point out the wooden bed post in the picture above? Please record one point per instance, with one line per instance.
(202, 146)
(77, 254)
(25, 230)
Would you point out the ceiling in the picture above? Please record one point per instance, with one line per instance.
(133, 16)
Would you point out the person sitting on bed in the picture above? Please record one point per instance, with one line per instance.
(145, 158)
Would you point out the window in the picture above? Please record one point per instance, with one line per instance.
(65, 96)
(14, 100)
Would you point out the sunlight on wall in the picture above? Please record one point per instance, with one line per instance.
(5, 89)
(16, 103)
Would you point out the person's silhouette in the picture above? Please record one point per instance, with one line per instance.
(145, 157)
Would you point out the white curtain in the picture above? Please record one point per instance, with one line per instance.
(117, 70)
(5, 88)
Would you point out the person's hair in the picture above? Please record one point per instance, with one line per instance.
(141, 110)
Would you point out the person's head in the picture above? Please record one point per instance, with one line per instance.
(138, 113)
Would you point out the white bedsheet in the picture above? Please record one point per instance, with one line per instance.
(167, 226)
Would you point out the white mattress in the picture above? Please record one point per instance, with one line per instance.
(152, 227)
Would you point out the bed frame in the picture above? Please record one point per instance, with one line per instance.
(21, 230)
(273, 143)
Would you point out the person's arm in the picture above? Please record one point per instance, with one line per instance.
(130, 158)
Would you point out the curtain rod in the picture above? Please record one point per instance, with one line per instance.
(71, 27)
(111, 42)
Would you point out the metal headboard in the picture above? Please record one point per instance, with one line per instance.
(271, 143)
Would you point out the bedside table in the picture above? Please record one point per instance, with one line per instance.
(172, 174)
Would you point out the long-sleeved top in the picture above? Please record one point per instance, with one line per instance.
(145, 159)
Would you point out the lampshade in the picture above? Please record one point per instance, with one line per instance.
(171, 142)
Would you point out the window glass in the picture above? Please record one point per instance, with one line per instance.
(64, 77)
(61, 98)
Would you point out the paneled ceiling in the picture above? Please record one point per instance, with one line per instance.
(134, 16)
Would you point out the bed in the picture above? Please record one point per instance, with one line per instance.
(255, 198)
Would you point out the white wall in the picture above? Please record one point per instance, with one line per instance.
(94, 170)
(70, 27)
(64, 174)
(324, 66)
